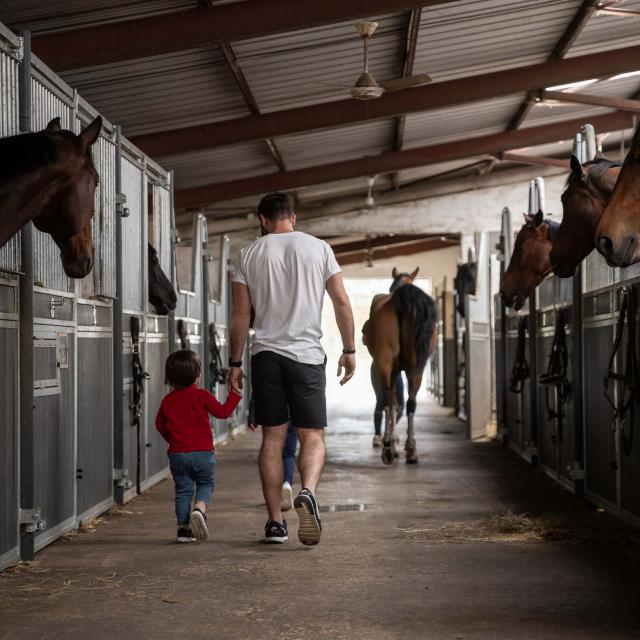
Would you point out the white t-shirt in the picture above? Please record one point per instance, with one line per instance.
(286, 274)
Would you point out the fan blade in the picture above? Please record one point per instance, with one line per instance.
(406, 83)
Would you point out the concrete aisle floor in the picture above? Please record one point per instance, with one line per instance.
(383, 572)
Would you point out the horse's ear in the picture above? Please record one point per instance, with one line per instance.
(538, 218)
(394, 273)
(415, 273)
(528, 219)
(576, 167)
(90, 133)
(54, 125)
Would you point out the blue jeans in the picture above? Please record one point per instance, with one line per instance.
(289, 453)
(188, 468)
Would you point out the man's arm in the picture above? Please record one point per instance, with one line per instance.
(240, 320)
(345, 322)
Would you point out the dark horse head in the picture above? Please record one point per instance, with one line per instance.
(465, 283)
(402, 278)
(49, 177)
(530, 263)
(617, 237)
(162, 295)
(589, 188)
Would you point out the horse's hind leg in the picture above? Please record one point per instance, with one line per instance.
(389, 450)
(414, 379)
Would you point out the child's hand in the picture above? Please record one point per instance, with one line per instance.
(235, 389)
(253, 426)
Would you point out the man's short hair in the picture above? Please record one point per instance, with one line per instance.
(182, 368)
(276, 206)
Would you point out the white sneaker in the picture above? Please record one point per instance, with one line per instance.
(287, 497)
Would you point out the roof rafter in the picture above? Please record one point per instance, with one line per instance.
(623, 104)
(563, 45)
(345, 112)
(493, 144)
(392, 249)
(202, 27)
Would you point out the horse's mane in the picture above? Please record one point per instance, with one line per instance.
(24, 153)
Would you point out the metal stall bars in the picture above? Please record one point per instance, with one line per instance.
(94, 337)
(477, 338)
(558, 389)
(10, 266)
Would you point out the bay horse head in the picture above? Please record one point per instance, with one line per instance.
(49, 177)
(617, 236)
(588, 190)
(530, 263)
(162, 295)
(402, 278)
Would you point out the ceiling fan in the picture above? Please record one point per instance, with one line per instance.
(366, 87)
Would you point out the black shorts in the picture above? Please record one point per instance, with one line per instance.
(285, 389)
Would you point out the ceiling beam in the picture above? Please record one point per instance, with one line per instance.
(393, 250)
(201, 27)
(573, 30)
(344, 248)
(413, 31)
(534, 160)
(344, 112)
(623, 104)
(493, 144)
(250, 100)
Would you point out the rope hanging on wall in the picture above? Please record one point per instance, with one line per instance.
(520, 371)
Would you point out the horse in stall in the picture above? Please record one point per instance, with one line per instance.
(400, 335)
(530, 263)
(617, 236)
(162, 295)
(588, 191)
(49, 177)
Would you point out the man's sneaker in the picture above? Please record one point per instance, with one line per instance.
(185, 535)
(276, 533)
(377, 441)
(287, 497)
(307, 509)
(199, 524)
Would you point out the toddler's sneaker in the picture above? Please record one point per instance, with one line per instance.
(275, 533)
(287, 497)
(185, 535)
(199, 524)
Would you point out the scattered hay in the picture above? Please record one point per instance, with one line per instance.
(512, 527)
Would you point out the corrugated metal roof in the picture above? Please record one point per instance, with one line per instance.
(320, 64)
(604, 32)
(220, 164)
(450, 123)
(480, 36)
(163, 92)
(334, 145)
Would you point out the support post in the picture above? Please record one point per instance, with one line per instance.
(118, 380)
(205, 315)
(27, 479)
(172, 252)
(577, 384)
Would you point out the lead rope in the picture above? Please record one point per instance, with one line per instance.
(520, 371)
(555, 378)
(138, 376)
(629, 376)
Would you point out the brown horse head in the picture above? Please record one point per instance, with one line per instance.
(162, 295)
(617, 237)
(589, 188)
(402, 278)
(49, 177)
(530, 263)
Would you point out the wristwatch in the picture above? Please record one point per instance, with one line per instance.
(348, 352)
(237, 364)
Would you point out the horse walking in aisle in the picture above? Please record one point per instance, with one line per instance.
(49, 177)
(400, 336)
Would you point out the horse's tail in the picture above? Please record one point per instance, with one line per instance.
(412, 302)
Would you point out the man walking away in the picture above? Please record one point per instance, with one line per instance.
(284, 276)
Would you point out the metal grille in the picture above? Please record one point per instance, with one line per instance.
(597, 274)
(51, 98)
(104, 231)
(45, 364)
(132, 234)
(10, 253)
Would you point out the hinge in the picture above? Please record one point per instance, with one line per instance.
(121, 478)
(121, 200)
(18, 50)
(31, 520)
(576, 472)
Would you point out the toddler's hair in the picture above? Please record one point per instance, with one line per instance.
(182, 368)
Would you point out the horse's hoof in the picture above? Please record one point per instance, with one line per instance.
(387, 456)
(412, 457)
(377, 441)
(395, 453)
